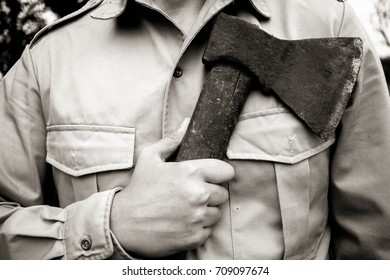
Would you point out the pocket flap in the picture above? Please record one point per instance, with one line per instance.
(274, 135)
(83, 149)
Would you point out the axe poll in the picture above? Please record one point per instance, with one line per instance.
(312, 77)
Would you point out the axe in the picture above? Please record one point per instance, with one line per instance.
(312, 77)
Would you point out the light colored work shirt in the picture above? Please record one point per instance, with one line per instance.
(92, 91)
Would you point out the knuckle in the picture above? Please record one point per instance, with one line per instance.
(190, 169)
(198, 195)
(145, 152)
(198, 215)
(196, 238)
(172, 136)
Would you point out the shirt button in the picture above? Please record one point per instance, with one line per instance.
(178, 72)
(86, 244)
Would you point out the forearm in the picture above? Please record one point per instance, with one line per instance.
(79, 231)
(29, 229)
(360, 191)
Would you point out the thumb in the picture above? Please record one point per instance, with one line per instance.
(167, 145)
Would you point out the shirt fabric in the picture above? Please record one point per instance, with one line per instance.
(92, 91)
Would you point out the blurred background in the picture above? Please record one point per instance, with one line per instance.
(21, 19)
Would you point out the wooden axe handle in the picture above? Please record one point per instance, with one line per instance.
(215, 116)
(216, 113)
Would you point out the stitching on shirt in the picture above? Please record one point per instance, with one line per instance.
(164, 117)
(291, 143)
(168, 108)
(126, 152)
(263, 113)
(64, 234)
(105, 222)
(231, 224)
(110, 235)
(317, 246)
(324, 222)
(282, 158)
(342, 20)
(89, 169)
(309, 189)
(185, 45)
(76, 15)
(106, 252)
(34, 71)
(91, 128)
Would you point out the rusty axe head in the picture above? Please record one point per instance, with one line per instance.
(313, 77)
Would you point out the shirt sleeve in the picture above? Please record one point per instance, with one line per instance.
(29, 229)
(360, 178)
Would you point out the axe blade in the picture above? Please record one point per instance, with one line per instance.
(313, 77)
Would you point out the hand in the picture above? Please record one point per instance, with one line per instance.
(169, 207)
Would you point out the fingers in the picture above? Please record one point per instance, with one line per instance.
(213, 215)
(217, 171)
(167, 145)
(211, 170)
(205, 235)
(218, 195)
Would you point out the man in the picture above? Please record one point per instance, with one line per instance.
(104, 97)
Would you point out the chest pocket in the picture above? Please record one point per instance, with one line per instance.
(79, 152)
(276, 135)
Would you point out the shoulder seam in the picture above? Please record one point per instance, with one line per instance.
(57, 24)
(33, 68)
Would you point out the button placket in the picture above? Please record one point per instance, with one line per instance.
(212, 9)
(178, 72)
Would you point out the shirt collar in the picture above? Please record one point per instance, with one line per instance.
(113, 8)
(261, 7)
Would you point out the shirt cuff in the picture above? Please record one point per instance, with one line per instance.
(86, 230)
(119, 253)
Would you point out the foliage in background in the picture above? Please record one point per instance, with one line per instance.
(382, 19)
(64, 7)
(386, 69)
(20, 20)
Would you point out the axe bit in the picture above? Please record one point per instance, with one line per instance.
(312, 77)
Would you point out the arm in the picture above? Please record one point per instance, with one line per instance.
(177, 200)
(360, 188)
(28, 228)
